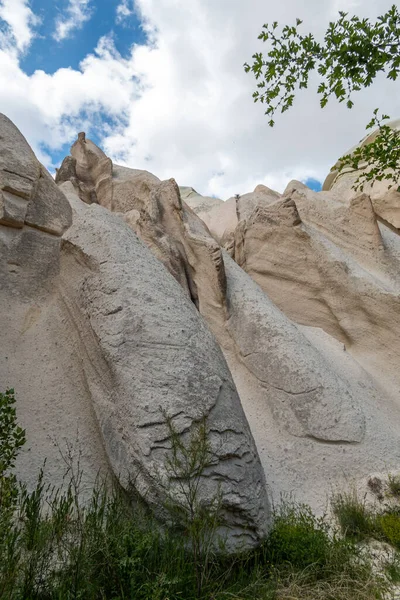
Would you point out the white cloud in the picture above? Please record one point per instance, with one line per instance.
(182, 104)
(124, 10)
(20, 23)
(76, 14)
(195, 118)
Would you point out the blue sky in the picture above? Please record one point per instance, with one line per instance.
(50, 55)
(160, 85)
(313, 184)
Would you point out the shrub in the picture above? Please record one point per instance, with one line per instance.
(12, 438)
(197, 521)
(298, 538)
(389, 525)
(394, 486)
(354, 518)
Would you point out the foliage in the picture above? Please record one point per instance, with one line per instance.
(394, 485)
(378, 160)
(354, 51)
(299, 538)
(196, 520)
(360, 521)
(353, 515)
(389, 525)
(12, 438)
(59, 546)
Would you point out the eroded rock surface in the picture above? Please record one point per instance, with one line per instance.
(326, 264)
(33, 216)
(285, 376)
(384, 194)
(103, 346)
(146, 297)
(154, 358)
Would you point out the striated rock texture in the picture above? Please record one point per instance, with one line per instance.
(328, 264)
(278, 312)
(33, 216)
(321, 397)
(324, 270)
(103, 346)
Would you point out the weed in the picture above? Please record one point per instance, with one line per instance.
(55, 547)
(198, 521)
(393, 486)
(389, 525)
(353, 516)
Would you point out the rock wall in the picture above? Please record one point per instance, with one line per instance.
(275, 317)
(298, 344)
(103, 347)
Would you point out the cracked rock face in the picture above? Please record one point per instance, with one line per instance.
(33, 216)
(274, 317)
(104, 346)
(155, 358)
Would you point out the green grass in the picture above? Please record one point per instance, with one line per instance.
(359, 521)
(392, 568)
(354, 517)
(53, 546)
(394, 486)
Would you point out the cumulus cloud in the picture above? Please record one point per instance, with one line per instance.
(19, 24)
(195, 119)
(76, 14)
(50, 109)
(181, 105)
(124, 10)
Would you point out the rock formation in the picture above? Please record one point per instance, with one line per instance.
(385, 200)
(273, 316)
(107, 346)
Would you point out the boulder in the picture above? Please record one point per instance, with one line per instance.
(148, 356)
(105, 349)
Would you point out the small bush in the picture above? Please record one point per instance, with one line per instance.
(12, 438)
(353, 516)
(298, 538)
(394, 486)
(389, 525)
